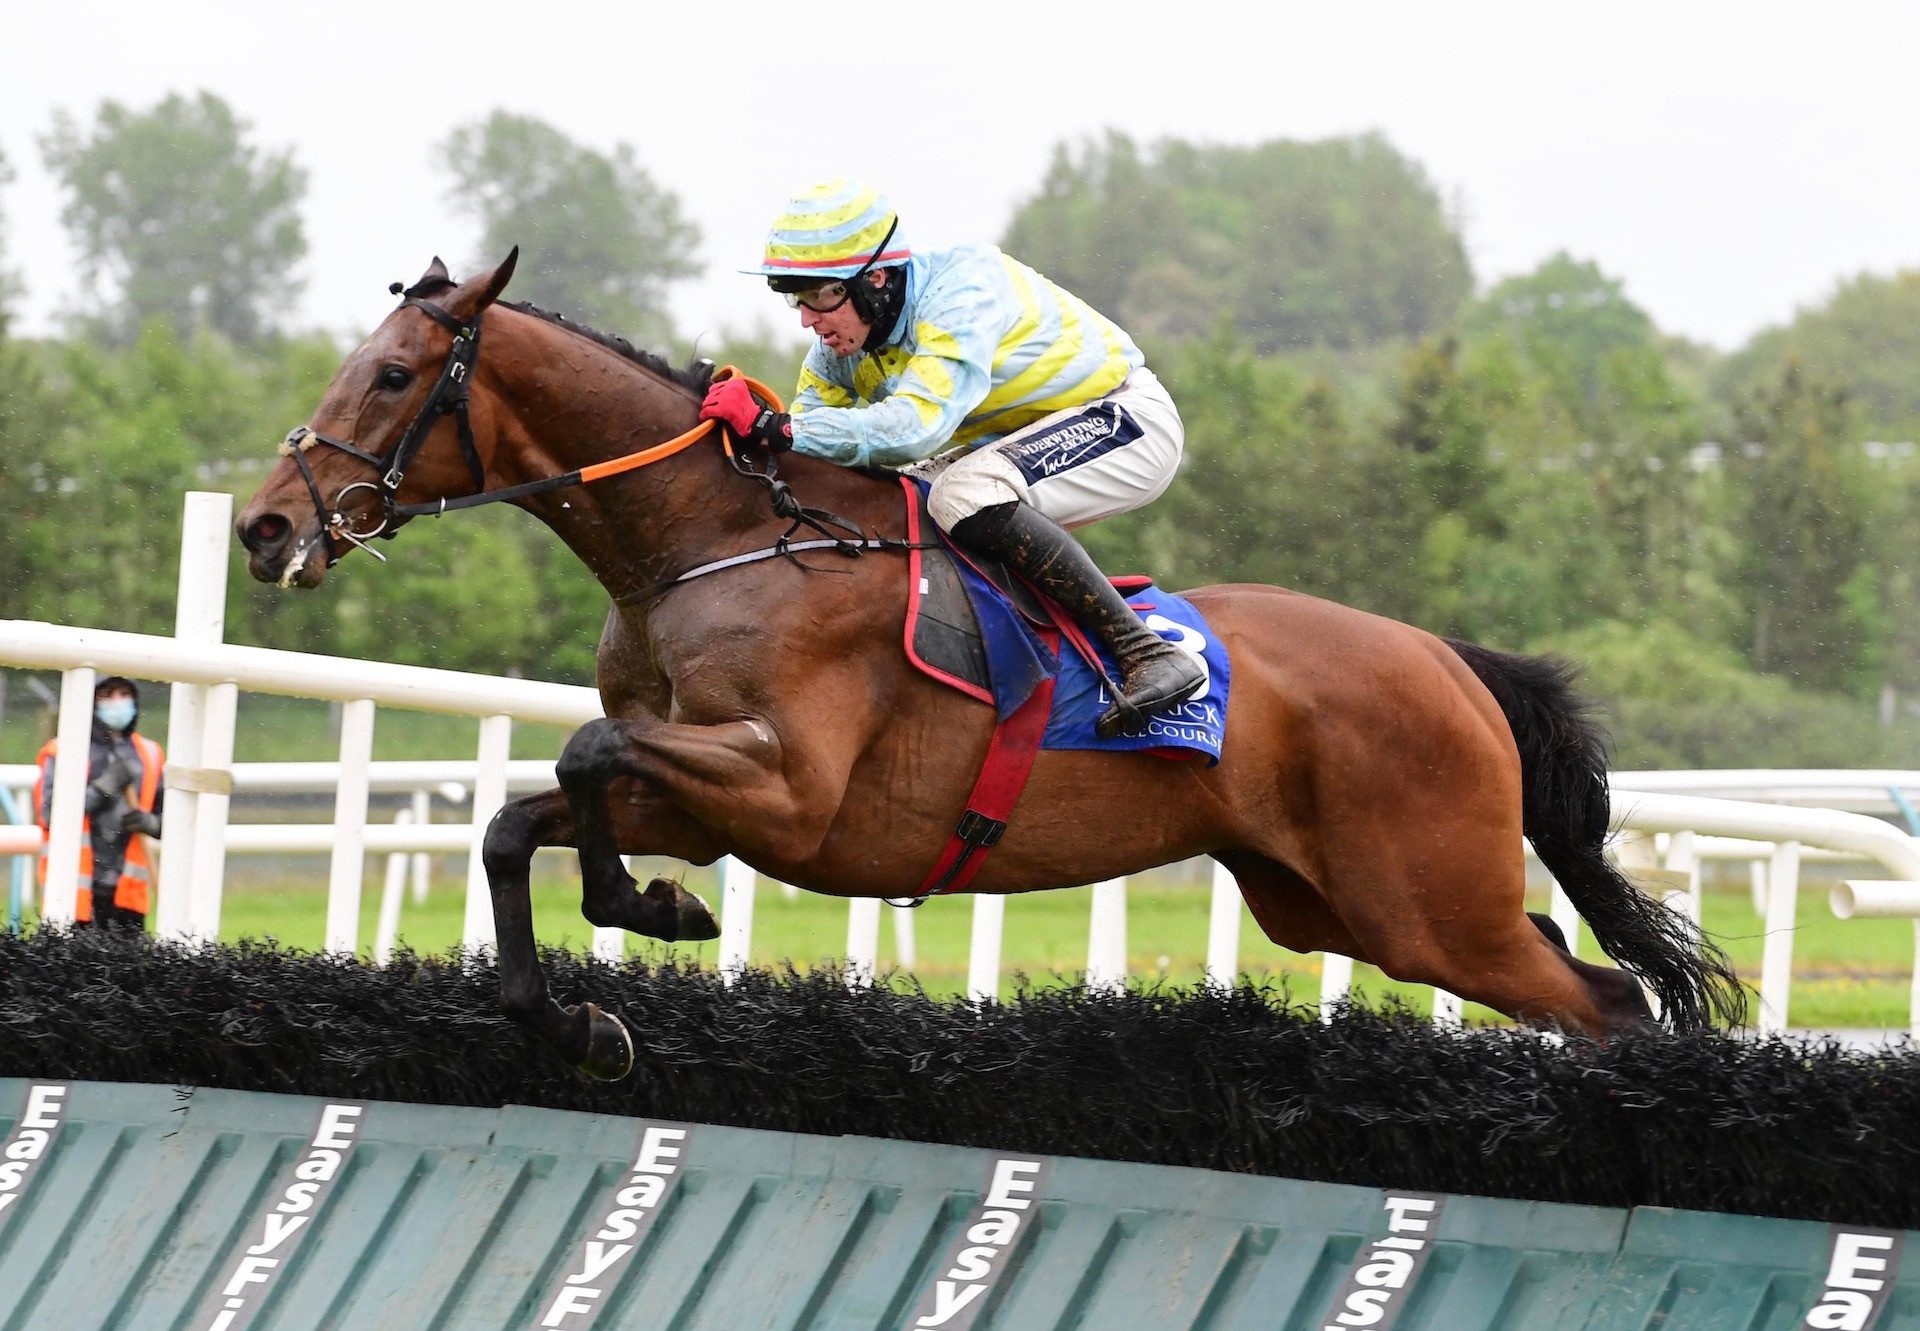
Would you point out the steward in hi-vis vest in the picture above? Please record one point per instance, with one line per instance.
(1028, 410)
(124, 796)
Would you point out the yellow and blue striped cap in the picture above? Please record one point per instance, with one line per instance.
(833, 230)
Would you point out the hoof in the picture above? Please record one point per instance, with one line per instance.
(609, 1047)
(692, 921)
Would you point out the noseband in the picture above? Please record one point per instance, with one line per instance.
(448, 398)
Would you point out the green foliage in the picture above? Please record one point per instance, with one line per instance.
(1802, 528)
(1661, 662)
(600, 240)
(1867, 335)
(1568, 319)
(178, 218)
(1342, 242)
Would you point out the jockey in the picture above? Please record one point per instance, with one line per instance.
(1029, 411)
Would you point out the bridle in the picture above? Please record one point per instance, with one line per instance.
(450, 397)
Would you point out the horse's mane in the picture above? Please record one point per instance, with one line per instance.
(695, 377)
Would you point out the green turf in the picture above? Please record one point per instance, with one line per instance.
(1847, 973)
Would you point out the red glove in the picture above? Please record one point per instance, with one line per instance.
(732, 402)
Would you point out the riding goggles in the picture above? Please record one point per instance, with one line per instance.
(822, 299)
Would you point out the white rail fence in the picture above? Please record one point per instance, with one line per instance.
(207, 676)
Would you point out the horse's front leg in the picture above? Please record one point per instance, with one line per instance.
(592, 1040)
(641, 823)
(585, 1036)
(736, 782)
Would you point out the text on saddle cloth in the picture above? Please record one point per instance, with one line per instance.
(964, 631)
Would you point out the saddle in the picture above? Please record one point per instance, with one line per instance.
(975, 627)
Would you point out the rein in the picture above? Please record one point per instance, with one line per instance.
(450, 398)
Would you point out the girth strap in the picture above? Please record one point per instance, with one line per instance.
(1003, 776)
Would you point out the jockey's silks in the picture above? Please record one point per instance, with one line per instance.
(984, 346)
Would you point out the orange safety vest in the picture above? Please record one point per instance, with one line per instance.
(134, 890)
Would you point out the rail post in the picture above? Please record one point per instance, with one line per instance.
(863, 941)
(983, 947)
(1107, 937)
(489, 795)
(1223, 929)
(199, 615)
(75, 737)
(349, 828)
(736, 917)
(1776, 956)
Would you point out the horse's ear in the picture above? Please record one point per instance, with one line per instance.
(476, 293)
(432, 282)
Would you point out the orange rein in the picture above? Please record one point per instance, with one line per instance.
(614, 466)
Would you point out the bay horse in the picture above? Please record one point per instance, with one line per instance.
(1371, 799)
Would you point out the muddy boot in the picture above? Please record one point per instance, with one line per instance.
(1154, 674)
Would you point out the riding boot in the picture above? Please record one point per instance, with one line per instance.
(1154, 674)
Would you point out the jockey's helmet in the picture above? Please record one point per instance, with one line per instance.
(836, 230)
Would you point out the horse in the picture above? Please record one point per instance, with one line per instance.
(1374, 786)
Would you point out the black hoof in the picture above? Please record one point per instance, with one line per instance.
(692, 921)
(609, 1049)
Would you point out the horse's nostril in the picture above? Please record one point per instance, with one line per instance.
(267, 531)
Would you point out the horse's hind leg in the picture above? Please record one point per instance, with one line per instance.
(1523, 971)
(1286, 907)
(1452, 916)
(1617, 991)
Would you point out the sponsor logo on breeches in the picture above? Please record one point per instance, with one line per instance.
(596, 1268)
(28, 1143)
(1097, 431)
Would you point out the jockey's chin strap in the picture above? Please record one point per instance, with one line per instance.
(450, 398)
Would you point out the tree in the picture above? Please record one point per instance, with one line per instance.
(1567, 318)
(1867, 335)
(1802, 527)
(1340, 243)
(600, 241)
(177, 217)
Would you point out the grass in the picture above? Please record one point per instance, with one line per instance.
(1847, 973)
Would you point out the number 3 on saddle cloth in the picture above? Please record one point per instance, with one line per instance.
(972, 626)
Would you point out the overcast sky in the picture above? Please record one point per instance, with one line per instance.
(1730, 162)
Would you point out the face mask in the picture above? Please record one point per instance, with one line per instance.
(115, 713)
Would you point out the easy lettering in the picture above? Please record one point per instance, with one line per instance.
(29, 1143)
(273, 1239)
(1861, 1265)
(979, 1256)
(1385, 1269)
(596, 1269)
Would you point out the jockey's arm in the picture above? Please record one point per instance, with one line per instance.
(948, 376)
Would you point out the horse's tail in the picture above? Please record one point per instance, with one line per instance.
(1565, 812)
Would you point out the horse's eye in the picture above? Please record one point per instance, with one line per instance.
(395, 377)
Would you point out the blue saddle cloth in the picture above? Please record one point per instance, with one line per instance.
(1018, 660)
